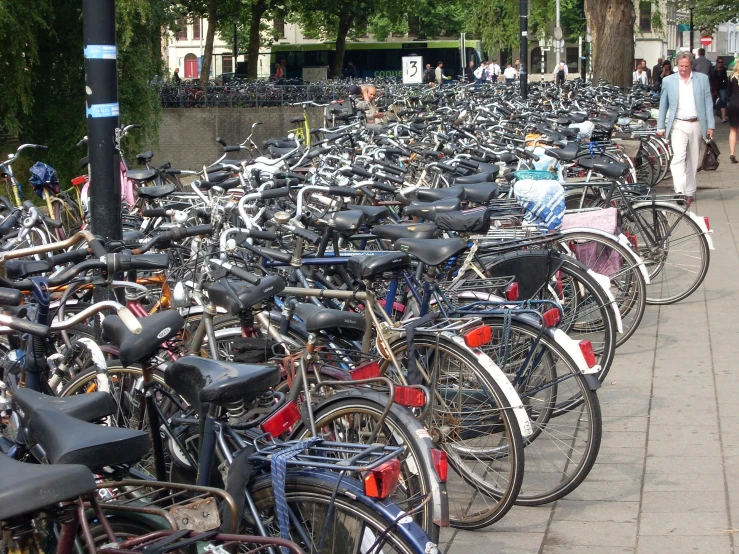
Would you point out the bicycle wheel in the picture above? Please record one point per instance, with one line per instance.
(610, 258)
(674, 249)
(565, 414)
(321, 524)
(354, 418)
(471, 420)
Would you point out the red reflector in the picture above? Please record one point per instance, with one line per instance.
(282, 419)
(370, 370)
(479, 336)
(410, 397)
(587, 351)
(511, 291)
(382, 481)
(551, 317)
(81, 180)
(441, 464)
(708, 224)
(632, 240)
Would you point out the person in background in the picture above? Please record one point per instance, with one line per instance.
(719, 82)
(428, 75)
(510, 73)
(351, 70)
(656, 72)
(560, 73)
(278, 72)
(685, 115)
(439, 73)
(176, 76)
(666, 71)
(469, 72)
(495, 71)
(481, 73)
(646, 70)
(732, 110)
(366, 101)
(639, 77)
(701, 63)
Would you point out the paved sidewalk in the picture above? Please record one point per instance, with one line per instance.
(667, 476)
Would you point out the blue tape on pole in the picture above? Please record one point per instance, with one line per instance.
(101, 52)
(102, 110)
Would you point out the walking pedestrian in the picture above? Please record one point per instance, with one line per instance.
(439, 73)
(495, 71)
(428, 74)
(509, 73)
(732, 110)
(481, 73)
(656, 72)
(701, 63)
(687, 96)
(719, 82)
(560, 73)
(469, 72)
(666, 71)
(176, 76)
(645, 69)
(278, 72)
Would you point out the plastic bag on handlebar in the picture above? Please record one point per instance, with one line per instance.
(43, 175)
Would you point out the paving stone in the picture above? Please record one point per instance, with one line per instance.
(670, 501)
(584, 533)
(683, 523)
(684, 545)
(577, 510)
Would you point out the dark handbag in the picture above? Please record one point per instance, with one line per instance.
(710, 156)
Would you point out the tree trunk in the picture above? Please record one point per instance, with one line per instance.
(346, 19)
(258, 7)
(209, 38)
(612, 26)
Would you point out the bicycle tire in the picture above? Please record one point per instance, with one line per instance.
(309, 498)
(663, 258)
(496, 479)
(557, 397)
(348, 419)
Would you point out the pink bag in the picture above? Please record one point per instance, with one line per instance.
(597, 257)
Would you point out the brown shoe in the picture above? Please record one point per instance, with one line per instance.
(733, 159)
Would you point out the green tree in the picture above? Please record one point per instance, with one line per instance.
(708, 14)
(612, 27)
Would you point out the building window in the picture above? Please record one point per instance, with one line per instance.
(181, 29)
(196, 26)
(414, 25)
(280, 27)
(645, 17)
(227, 64)
(571, 59)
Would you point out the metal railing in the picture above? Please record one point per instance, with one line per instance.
(249, 95)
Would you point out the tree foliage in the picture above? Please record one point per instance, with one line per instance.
(708, 14)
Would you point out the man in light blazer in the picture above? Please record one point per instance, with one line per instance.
(687, 105)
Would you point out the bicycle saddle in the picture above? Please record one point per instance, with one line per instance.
(610, 169)
(589, 162)
(317, 318)
(202, 381)
(476, 178)
(217, 177)
(467, 221)
(395, 231)
(432, 251)
(428, 210)
(141, 175)
(87, 407)
(66, 440)
(145, 156)
(480, 192)
(157, 329)
(506, 157)
(568, 153)
(277, 143)
(372, 214)
(432, 195)
(26, 488)
(238, 296)
(159, 191)
(344, 221)
(368, 267)
(577, 117)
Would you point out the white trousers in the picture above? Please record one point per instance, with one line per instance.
(685, 138)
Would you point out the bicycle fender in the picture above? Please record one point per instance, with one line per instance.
(501, 379)
(438, 489)
(698, 220)
(602, 280)
(573, 349)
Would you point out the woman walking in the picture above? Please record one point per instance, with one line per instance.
(732, 110)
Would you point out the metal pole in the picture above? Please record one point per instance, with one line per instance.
(101, 86)
(556, 24)
(691, 30)
(524, 54)
(236, 47)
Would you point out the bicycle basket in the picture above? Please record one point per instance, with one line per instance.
(43, 175)
(534, 175)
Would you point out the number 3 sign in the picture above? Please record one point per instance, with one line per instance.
(412, 70)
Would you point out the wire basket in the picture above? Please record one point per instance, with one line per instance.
(535, 175)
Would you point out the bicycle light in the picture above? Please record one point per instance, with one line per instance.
(180, 296)
(281, 420)
(410, 397)
(511, 292)
(586, 347)
(382, 481)
(478, 336)
(441, 464)
(551, 317)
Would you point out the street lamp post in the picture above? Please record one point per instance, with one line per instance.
(524, 55)
(589, 40)
(236, 44)
(542, 44)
